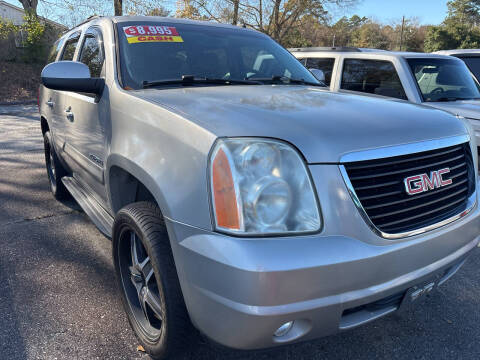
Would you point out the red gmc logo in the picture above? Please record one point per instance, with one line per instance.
(420, 183)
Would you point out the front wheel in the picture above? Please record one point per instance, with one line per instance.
(55, 170)
(148, 280)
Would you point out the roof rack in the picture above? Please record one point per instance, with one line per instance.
(335, 48)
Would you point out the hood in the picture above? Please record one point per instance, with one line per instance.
(323, 125)
(466, 108)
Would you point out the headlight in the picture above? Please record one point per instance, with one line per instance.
(261, 186)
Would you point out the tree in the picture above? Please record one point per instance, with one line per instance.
(370, 35)
(344, 29)
(459, 30)
(158, 11)
(186, 9)
(236, 7)
(281, 19)
(118, 7)
(30, 6)
(464, 11)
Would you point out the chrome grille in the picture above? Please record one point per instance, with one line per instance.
(379, 186)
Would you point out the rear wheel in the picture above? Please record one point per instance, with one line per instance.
(55, 170)
(148, 280)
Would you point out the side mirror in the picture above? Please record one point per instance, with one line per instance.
(71, 76)
(318, 74)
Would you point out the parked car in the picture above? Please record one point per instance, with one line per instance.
(439, 81)
(240, 195)
(471, 57)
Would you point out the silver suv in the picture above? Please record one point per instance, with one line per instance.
(471, 57)
(439, 81)
(241, 196)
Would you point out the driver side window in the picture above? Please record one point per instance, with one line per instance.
(92, 53)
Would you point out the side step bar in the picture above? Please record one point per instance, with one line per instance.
(100, 217)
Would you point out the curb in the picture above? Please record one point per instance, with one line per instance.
(23, 102)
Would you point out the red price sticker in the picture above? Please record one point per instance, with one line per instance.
(151, 33)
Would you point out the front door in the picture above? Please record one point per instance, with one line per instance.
(85, 116)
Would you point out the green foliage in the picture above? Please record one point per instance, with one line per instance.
(34, 29)
(33, 37)
(158, 11)
(459, 30)
(370, 35)
(295, 39)
(6, 28)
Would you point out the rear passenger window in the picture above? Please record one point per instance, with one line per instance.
(70, 47)
(324, 64)
(92, 53)
(372, 76)
(52, 56)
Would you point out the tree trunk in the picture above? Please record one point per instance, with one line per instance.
(276, 14)
(30, 6)
(118, 5)
(235, 12)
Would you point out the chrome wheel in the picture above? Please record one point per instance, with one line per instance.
(140, 285)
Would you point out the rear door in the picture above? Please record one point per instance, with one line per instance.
(85, 115)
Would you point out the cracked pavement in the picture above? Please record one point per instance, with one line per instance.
(58, 298)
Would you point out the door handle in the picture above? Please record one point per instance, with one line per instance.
(50, 103)
(69, 114)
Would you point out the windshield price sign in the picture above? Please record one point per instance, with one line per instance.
(151, 33)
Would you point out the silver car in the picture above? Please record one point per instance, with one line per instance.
(242, 198)
(440, 81)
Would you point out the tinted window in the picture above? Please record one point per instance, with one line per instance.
(92, 53)
(373, 77)
(70, 47)
(201, 51)
(54, 51)
(325, 64)
(473, 63)
(443, 79)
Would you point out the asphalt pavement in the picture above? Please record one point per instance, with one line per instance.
(58, 298)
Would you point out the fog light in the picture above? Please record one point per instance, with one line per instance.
(284, 329)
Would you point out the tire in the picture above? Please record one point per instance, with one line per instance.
(55, 169)
(158, 314)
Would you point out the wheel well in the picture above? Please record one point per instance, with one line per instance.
(44, 125)
(126, 189)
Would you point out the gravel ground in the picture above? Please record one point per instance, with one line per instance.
(58, 299)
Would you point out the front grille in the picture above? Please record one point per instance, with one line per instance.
(379, 185)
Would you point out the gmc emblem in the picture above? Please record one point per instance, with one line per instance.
(420, 183)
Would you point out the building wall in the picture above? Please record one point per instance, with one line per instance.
(11, 13)
(11, 49)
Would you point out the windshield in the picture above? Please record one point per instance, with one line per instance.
(443, 79)
(473, 63)
(152, 52)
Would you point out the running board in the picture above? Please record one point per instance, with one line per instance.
(100, 217)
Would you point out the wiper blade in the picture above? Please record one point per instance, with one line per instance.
(191, 80)
(283, 80)
(446, 99)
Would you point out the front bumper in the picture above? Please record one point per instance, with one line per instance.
(240, 291)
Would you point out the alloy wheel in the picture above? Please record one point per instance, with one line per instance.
(140, 285)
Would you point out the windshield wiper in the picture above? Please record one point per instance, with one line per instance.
(187, 80)
(448, 99)
(284, 80)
